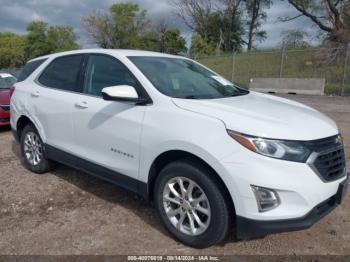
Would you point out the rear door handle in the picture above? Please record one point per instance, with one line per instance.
(81, 105)
(35, 94)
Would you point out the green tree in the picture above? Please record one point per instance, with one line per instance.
(131, 24)
(11, 50)
(174, 43)
(126, 26)
(201, 47)
(36, 40)
(61, 38)
(43, 39)
(149, 41)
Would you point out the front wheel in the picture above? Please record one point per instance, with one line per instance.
(191, 204)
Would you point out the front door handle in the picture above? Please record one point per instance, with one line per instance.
(35, 94)
(81, 105)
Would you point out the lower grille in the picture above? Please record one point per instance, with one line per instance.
(328, 159)
(4, 120)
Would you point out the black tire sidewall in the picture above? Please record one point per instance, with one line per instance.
(44, 165)
(220, 215)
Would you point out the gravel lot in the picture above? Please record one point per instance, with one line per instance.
(69, 212)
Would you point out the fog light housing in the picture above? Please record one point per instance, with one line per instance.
(266, 198)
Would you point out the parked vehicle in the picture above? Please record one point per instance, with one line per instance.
(210, 154)
(6, 88)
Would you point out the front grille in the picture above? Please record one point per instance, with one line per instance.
(328, 158)
(6, 108)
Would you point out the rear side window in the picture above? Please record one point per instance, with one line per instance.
(63, 73)
(29, 68)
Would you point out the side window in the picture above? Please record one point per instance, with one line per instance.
(29, 68)
(103, 71)
(63, 73)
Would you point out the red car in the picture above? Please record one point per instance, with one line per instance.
(6, 89)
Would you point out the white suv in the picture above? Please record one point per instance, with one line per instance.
(210, 154)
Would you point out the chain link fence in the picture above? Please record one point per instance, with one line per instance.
(331, 64)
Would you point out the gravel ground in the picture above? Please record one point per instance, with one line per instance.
(69, 212)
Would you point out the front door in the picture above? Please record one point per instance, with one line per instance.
(108, 133)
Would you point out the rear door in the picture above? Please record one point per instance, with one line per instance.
(108, 133)
(53, 100)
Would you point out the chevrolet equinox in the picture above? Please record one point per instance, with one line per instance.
(210, 154)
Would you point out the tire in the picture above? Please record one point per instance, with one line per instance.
(40, 164)
(217, 219)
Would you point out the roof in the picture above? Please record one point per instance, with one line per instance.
(122, 52)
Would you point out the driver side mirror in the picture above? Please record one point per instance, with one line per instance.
(122, 93)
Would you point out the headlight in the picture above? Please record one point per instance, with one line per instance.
(286, 150)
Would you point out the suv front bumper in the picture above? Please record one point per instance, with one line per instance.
(249, 228)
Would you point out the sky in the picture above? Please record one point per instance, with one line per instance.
(15, 14)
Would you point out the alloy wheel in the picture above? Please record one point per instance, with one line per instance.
(186, 206)
(33, 149)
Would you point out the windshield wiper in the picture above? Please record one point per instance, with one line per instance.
(239, 93)
(188, 97)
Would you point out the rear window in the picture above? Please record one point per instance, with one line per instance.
(29, 68)
(7, 82)
(63, 73)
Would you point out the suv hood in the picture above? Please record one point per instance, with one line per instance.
(264, 116)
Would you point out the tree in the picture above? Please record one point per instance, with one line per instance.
(125, 26)
(195, 14)
(174, 43)
(161, 27)
(201, 47)
(36, 42)
(150, 41)
(61, 38)
(131, 24)
(256, 15)
(231, 30)
(101, 27)
(215, 21)
(11, 50)
(42, 39)
(294, 39)
(330, 16)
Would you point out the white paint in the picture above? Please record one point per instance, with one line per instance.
(196, 126)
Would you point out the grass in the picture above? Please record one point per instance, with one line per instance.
(296, 64)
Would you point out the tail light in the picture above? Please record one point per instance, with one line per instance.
(12, 90)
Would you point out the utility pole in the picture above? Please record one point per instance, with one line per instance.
(282, 60)
(345, 68)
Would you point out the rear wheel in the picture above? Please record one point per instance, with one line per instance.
(191, 205)
(32, 150)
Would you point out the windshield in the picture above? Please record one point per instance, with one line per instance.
(182, 78)
(7, 82)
